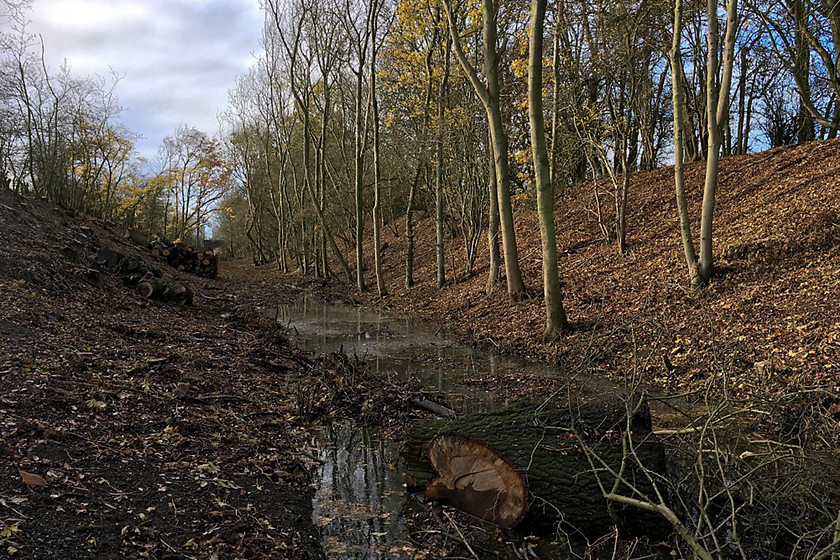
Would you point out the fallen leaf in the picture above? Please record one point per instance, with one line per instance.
(32, 479)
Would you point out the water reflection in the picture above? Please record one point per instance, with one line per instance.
(360, 496)
(398, 344)
(360, 501)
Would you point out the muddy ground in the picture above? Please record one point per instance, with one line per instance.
(136, 428)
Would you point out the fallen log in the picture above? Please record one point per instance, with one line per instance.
(485, 462)
(179, 294)
(137, 237)
(151, 286)
(132, 279)
(108, 257)
(133, 264)
(433, 407)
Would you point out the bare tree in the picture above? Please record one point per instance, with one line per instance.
(488, 90)
(555, 314)
(717, 115)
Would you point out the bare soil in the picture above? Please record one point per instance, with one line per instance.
(135, 428)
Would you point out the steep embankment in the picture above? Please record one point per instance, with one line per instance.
(770, 317)
(132, 428)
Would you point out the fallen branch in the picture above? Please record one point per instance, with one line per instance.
(433, 407)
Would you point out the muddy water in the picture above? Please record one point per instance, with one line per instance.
(360, 503)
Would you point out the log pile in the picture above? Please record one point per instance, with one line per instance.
(147, 280)
(187, 259)
(525, 463)
(183, 257)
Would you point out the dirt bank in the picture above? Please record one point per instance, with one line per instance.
(137, 428)
(768, 322)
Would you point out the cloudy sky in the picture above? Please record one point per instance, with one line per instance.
(178, 57)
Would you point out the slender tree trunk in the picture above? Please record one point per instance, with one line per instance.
(677, 79)
(320, 213)
(717, 111)
(802, 68)
(360, 162)
(555, 100)
(377, 217)
(490, 98)
(516, 288)
(421, 162)
(742, 102)
(623, 187)
(493, 225)
(555, 314)
(441, 273)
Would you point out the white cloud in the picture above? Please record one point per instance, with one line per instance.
(178, 57)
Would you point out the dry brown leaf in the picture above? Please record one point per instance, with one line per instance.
(32, 479)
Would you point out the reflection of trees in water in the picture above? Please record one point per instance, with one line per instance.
(360, 497)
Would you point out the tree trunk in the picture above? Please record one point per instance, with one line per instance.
(320, 213)
(409, 231)
(441, 273)
(421, 162)
(677, 80)
(490, 98)
(555, 99)
(360, 161)
(802, 69)
(717, 112)
(555, 314)
(493, 226)
(377, 203)
(535, 452)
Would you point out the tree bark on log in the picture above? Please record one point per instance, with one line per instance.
(108, 257)
(137, 237)
(150, 286)
(540, 443)
(179, 294)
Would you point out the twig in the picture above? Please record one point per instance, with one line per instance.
(175, 550)
(460, 534)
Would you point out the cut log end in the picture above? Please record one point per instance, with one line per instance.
(476, 479)
(150, 286)
(179, 294)
(145, 289)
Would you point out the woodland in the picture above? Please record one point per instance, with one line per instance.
(641, 190)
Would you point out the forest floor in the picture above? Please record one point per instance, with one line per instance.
(136, 428)
(768, 324)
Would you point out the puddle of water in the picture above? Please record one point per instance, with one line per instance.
(361, 504)
(398, 344)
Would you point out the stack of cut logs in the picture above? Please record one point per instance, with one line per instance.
(178, 255)
(187, 259)
(147, 280)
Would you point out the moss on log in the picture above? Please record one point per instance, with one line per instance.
(151, 286)
(542, 444)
